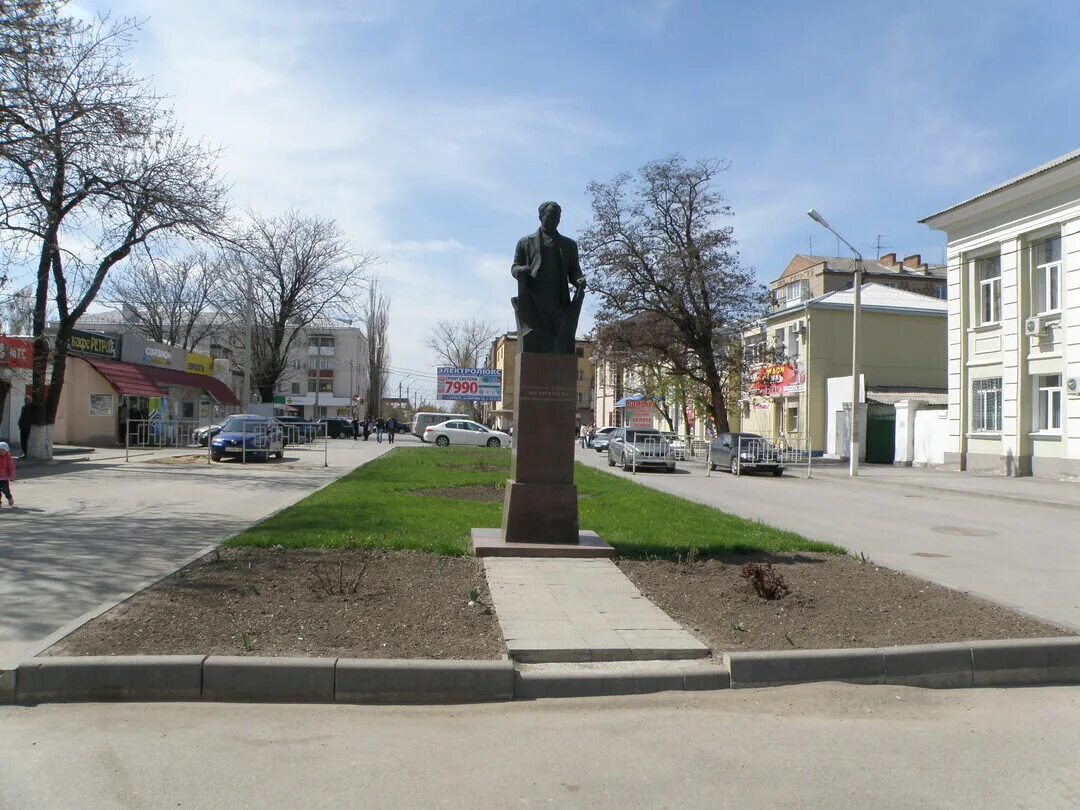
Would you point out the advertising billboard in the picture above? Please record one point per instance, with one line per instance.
(469, 384)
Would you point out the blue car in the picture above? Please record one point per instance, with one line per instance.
(247, 435)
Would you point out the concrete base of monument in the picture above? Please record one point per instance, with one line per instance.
(492, 543)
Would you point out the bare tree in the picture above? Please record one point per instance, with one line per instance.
(292, 270)
(656, 250)
(171, 299)
(377, 324)
(462, 344)
(92, 166)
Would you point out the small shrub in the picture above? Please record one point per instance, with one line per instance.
(331, 583)
(767, 582)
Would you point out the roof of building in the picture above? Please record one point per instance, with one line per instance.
(879, 296)
(891, 394)
(1045, 167)
(846, 264)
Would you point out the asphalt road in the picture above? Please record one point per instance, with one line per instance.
(1017, 553)
(87, 533)
(819, 745)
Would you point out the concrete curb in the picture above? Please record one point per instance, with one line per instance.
(1022, 662)
(1015, 662)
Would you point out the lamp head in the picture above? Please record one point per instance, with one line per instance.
(818, 218)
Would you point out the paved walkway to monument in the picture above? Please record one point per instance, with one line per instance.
(553, 610)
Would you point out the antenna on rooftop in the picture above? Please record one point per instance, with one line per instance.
(879, 245)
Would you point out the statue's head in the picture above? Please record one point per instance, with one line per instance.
(550, 214)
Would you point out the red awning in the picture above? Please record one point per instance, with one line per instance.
(212, 385)
(126, 378)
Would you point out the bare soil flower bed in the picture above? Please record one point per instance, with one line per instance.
(834, 601)
(249, 601)
(375, 603)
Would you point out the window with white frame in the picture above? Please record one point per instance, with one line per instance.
(1046, 272)
(778, 341)
(793, 340)
(986, 405)
(988, 274)
(1048, 403)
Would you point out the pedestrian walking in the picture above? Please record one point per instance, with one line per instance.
(7, 473)
(26, 419)
(391, 429)
(366, 427)
(583, 434)
(380, 426)
(355, 428)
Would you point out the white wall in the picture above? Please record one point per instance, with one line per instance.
(837, 395)
(931, 437)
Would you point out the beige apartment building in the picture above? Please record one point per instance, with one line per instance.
(802, 396)
(808, 277)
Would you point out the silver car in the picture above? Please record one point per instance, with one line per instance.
(638, 448)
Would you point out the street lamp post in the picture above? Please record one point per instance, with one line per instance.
(856, 315)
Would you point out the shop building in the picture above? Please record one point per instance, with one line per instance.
(16, 360)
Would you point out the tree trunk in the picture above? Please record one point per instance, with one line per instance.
(266, 391)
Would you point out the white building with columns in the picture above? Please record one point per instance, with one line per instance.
(1014, 324)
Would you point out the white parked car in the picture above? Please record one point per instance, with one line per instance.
(467, 432)
(678, 444)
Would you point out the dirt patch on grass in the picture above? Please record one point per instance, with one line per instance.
(834, 602)
(192, 459)
(265, 602)
(483, 494)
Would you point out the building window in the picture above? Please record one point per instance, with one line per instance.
(986, 405)
(1046, 266)
(296, 388)
(1048, 403)
(326, 385)
(792, 420)
(988, 272)
(793, 341)
(778, 342)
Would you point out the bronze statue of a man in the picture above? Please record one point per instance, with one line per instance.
(545, 265)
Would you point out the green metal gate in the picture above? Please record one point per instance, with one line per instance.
(880, 437)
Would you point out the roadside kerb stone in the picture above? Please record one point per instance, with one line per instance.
(422, 681)
(1026, 662)
(532, 682)
(931, 666)
(149, 677)
(7, 685)
(756, 669)
(275, 680)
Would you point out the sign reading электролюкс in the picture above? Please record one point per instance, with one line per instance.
(471, 384)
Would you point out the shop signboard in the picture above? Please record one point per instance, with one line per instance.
(94, 344)
(779, 380)
(16, 352)
(469, 384)
(199, 363)
(639, 413)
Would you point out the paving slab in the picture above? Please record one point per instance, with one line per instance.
(569, 610)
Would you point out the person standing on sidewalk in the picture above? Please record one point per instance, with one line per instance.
(7, 473)
(26, 419)
(391, 429)
(355, 428)
(379, 426)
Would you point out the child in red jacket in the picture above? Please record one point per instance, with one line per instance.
(7, 472)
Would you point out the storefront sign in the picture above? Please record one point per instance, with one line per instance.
(16, 352)
(639, 413)
(157, 356)
(94, 344)
(199, 363)
(470, 384)
(779, 380)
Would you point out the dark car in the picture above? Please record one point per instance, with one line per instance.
(297, 429)
(203, 435)
(744, 452)
(248, 435)
(640, 448)
(337, 427)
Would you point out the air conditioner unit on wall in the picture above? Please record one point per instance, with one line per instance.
(1034, 326)
(1072, 386)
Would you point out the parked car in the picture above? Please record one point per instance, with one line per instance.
(422, 421)
(601, 438)
(337, 427)
(467, 432)
(248, 435)
(297, 429)
(745, 452)
(202, 435)
(640, 448)
(678, 444)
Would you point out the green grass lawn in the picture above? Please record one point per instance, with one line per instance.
(382, 505)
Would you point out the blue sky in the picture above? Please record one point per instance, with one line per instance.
(431, 130)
